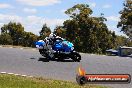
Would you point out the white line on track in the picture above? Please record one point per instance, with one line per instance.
(3, 72)
(10, 73)
(24, 75)
(16, 74)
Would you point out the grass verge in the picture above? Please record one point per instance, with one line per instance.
(12, 81)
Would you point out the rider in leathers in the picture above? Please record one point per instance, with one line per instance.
(50, 42)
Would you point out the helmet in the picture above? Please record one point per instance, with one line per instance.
(41, 41)
(52, 35)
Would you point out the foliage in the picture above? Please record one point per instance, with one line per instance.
(89, 34)
(122, 41)
(59, 31)
(13, 33)
(29, 39)
(125, 22)
(14, 30)
(5, 39)
(44, 32)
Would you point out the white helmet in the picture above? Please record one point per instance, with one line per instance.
(52, 35)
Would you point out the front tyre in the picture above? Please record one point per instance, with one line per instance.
(43, 52)
(76, 56)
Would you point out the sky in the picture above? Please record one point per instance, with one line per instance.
(32, 14)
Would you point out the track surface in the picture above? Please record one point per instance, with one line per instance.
(29, 62)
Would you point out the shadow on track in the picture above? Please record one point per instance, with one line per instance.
(65, 60)
(32, 58)
(57, 60)
(43, 59)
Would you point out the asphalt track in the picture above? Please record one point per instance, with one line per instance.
(29, 62)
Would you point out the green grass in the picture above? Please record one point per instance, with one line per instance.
(12, 81)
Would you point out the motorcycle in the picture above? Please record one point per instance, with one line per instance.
(62, 49)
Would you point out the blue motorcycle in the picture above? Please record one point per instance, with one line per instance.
(62, 50)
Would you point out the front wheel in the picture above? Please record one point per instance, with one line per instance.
(76, 56)
(43, 52)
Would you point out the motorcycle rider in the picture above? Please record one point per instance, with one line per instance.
(52, 39)
(50, 42)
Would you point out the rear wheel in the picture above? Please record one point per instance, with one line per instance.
(76, 56)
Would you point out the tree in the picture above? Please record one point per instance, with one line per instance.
(15, 30)
(59, 31)
(13, 33)
(89, 34)
(29, 39)
(44, 32)
(5, 39)
(121, 41)
(125, 22)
